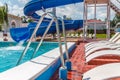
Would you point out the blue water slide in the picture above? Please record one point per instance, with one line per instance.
(35, 5)
(30, 9)
(19, 34)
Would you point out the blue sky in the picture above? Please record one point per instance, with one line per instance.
(75, 11)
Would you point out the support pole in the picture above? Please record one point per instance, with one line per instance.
(68, 63)
(54, 11)
(95, 20)
(108, 20)
(60, 45)
(85, 21)
(62, 70)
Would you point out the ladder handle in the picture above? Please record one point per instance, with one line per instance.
(35, 30)
(64, 34)
(60, 44)
(42, 37)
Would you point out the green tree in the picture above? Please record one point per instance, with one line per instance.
(68, 18)
(30, 20)
(24, 19)
(115, 20)
(3, 16)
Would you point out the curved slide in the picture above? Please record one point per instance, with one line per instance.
(19, 34)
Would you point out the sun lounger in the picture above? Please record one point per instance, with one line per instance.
(103, 72)
(103, 44)
(90, 50)
(116, 40)
(81, 35)
(101, 48)
(90, 35)
(102, 53)
(113, 39)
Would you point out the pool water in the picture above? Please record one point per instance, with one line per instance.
(10, 53)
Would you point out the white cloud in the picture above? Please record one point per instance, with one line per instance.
(23, 1)
(16, 10)
(76, 12)
(73, 11)
(1, 3)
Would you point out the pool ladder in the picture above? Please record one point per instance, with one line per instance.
(54, 19)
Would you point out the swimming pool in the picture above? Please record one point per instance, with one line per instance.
(11, 51)
(40, 68)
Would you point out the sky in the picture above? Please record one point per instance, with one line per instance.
(75, 11)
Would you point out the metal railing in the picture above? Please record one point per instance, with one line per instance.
(64, 35)
(42, 38)
(54, 18)
(34, 32)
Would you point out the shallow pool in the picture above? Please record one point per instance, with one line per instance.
(10, 53)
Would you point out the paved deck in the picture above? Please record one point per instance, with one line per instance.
(78, 66)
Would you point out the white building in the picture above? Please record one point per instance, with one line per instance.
(100, 25)
(14, 22)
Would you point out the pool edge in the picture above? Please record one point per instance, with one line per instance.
(34, 67)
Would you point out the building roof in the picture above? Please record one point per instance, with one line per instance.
(13, 16)
(93, 20)
(97, 1)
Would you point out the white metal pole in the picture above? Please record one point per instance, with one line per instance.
(34, 32)
(64, 34)
(95, 20)
(84, 22)
(108, 20)
(37, 48)
(54, 11)
(60, 45)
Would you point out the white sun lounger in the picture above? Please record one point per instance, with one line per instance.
(103, 72)
(113, 39)
(99, 47)
(101, 53)
(117, 40)
(104, 41)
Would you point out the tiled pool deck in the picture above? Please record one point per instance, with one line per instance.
(78, 66)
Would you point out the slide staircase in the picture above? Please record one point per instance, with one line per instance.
(115, 5)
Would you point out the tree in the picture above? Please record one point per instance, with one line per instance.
(67, 18)
(3, 16)
(24, 19)
(115, 20)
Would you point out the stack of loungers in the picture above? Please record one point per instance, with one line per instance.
(101, 50)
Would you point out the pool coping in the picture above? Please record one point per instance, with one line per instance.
(34, 67)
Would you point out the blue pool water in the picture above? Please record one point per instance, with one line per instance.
(11, 51)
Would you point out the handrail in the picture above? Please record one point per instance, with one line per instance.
(54, 18)
(59, 40)
(60, 44)
(35, 30)
(42, 38)
(64, 34)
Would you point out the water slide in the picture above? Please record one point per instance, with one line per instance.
(30, 9)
